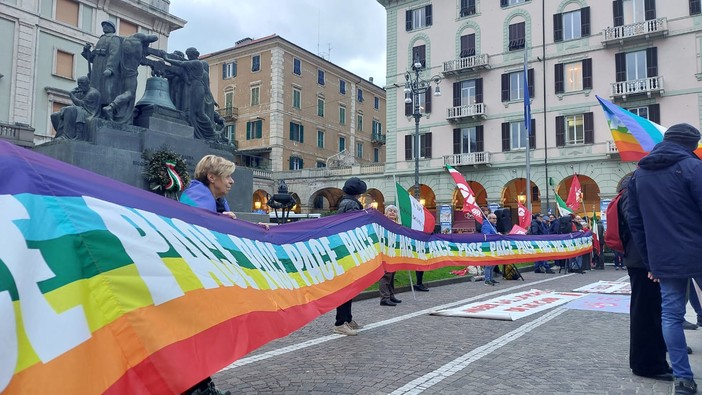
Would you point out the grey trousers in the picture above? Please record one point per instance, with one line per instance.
(386, 286)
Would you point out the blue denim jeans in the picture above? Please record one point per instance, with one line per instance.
(694, 300)
(674, 300)
(539, 264)
(488, 272)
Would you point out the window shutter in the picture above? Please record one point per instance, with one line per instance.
(479, 138)
(468, 45)
(408, 108)
(695, 7)
(408, 147)
(560, 131)
(620, 66)
(650, 9)
(618, 12)
(302, 134)
(530, 83)
(427, 145)
(589, 128)
(427, 12)
(585, 21)
(652, 62)
(248, 130)
(291, 130)
(427, 100)
(456, 94)
(291, 164)
(464, 46)
(587, 73)
(505, 87)
(259, 129)
(408, 20)
(532, 134)
(558, 27)
(505, 137)
(654, 113)
(559, 78)
(302, 163)
(456, 141)
(224, 70)
(479, 90)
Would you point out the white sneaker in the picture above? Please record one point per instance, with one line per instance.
(355, 325)
(345, 329)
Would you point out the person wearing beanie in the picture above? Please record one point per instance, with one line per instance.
(386, 284)
(353, 188)
(670, 242)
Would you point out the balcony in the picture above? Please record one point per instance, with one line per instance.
(378, 138)
(22, 135)
(645, 86)
(635, 31)
(229, 113)
(476, 158)
(612, 147)
(459, 113)
(464, 65)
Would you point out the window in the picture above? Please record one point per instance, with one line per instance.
(517, 35)
(297, 66)
(467, 93)
(64, 64)
(467, 7)
(295, 163)
(424, 146)
(514, 135)
(359, 123)
(320, 107)
(256, 63)
(342, 87)
(638, 65)
(67, 12)
(127, 28)
(230, 133)
(254, 129)
(359, 150)
(342, 144)
(377, 127)
(627, 12)
(571, 25)
(419, 54)
(574, 130)
(513, 85)
(296, 98)
(468, 45)
(320, 165)
(573, 77)
(297, 132)
(418, 18)
(424, 103)
(228, 70)
(320, 77)
(376, 155)
(652, 112)
(376, 102)
(320, 139)
(342, 115)
(254, 162)
(468, 140)
(228, 102)
(359, 95)
(255, 95)
(695, 7)
(505, 3)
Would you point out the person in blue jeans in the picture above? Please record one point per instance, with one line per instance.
(670, 242)
(490, 229)
(695, 303)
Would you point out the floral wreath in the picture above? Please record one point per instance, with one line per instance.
(165, 171)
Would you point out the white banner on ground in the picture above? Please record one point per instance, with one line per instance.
(511, 307)
(607, 287)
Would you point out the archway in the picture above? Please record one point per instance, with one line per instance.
(375, 199)
(480, 195)
(619, 184)
(515, 191)
(260, 201)
(426, 196)
(590, 201)
(297, 208)
(325, 200)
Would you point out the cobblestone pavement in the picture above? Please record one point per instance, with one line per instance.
(404, 350)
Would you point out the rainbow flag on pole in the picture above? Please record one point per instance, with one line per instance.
(634, 136)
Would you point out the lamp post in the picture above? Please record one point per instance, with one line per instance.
(282, 200)
(415, 86)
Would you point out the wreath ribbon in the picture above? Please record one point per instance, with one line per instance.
(175, 181)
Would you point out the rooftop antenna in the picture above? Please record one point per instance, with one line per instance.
(329, 47)
(319, 18)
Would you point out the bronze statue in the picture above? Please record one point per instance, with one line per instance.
(104, 63)
(70, 121)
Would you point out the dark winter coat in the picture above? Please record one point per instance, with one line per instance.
(538, 228)
(632, 256)
(665, 211)
(349, 203)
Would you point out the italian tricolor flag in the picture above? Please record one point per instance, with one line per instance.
(563, 209)
(412, 214)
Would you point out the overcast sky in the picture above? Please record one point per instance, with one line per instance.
(349, 33)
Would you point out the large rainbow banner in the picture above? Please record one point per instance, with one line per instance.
(105, 288)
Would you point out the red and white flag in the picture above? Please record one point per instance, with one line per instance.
(575, 194)
(524, 216)
(517, 230)
(469, 203)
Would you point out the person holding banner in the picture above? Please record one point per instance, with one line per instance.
(489, 229)
(386, 285)
(353, 188)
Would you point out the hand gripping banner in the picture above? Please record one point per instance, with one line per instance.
(154, 295)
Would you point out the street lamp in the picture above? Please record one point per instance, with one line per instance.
(415, 86)
(282, 200)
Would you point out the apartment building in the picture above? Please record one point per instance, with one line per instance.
(41, 45)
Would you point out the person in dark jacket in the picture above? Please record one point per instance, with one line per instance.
(670, 242)
(538, 227)
(353, 188)
(647, 351)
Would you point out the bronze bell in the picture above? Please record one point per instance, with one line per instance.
(156, 94)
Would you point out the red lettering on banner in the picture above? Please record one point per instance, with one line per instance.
(532, 305)
(481, 307)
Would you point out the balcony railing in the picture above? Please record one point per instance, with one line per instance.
(647, 86)
(634, 31)
(612, 147)
(470, 63)
(460, 112)
(475, 158)
(378, 138)
(229, 113)
(323, 172)
(17, 134)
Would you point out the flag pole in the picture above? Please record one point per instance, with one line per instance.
(527, 127)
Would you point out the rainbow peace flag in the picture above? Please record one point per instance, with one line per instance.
(106, 288)
(634, 136)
